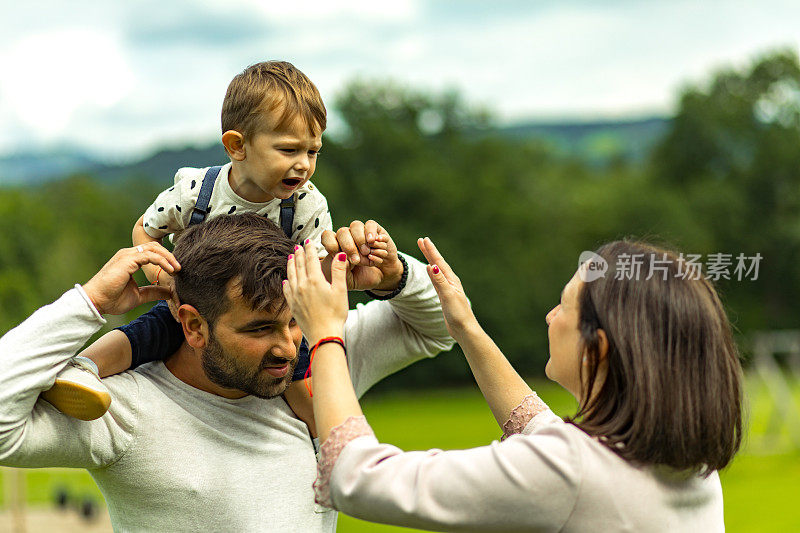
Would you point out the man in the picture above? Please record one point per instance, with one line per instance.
(189, 445)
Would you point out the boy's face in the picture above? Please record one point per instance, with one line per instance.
(278, 162)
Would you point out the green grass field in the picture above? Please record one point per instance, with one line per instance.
(760, 489)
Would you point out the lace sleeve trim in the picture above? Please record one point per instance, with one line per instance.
(341, 435)
(531, 406)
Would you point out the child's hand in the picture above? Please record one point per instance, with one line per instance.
(365, 243)
(319, 307)
(373, 255)
(455, 305)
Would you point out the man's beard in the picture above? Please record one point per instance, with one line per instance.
(227, 371)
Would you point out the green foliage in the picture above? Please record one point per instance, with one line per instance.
(58, 234)
(734, 153)
(511, 214)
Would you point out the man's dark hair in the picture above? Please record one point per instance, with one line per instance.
(673, 392)
(247, 250)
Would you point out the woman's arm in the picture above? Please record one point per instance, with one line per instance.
(381, 337)
(321, 310)
(522, 484)
(500, 384)
(501, 486)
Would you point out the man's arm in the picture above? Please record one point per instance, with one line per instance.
(140, 237)
(385, 336)
(33, 433)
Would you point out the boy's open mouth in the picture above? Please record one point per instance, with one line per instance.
(291, 182)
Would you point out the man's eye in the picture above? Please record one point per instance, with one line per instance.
(292, 321)
(313, 153)
(261, 329)
(287, 150)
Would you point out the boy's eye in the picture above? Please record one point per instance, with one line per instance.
(287, 150)
(261, 329)
(313, 153)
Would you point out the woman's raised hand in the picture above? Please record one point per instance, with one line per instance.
(319, 307)
(455, 305)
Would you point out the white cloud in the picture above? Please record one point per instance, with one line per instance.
(46, 78)
(113, 75)
(304, 10)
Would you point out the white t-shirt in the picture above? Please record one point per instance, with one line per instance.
(172, 210)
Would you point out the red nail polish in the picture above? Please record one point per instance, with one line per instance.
(296, 248)
(435, 269)
(307, 241)
(291, 256)
(341, 257)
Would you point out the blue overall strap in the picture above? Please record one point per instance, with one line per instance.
(287, 216)
(201, 206)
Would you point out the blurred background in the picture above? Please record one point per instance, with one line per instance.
(516, 135)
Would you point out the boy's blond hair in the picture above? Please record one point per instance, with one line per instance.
(266, 87)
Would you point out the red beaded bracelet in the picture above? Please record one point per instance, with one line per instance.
(325, 340)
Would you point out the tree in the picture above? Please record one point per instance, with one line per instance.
(734, 151)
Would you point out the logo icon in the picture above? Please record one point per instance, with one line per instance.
(591, 267)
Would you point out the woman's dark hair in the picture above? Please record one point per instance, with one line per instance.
(673, 393)
(247, 249)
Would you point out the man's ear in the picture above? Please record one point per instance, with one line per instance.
(195, 327)
(234, 145)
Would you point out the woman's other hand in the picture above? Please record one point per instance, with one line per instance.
(319, 307)
(455, 304)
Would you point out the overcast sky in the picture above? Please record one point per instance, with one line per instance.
(122, 77)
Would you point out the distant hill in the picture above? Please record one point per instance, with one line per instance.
(29, 169)
(161, 166)
(595, 142)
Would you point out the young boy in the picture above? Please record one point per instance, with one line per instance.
(272, 123)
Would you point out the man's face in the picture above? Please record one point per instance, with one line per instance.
(254, 352)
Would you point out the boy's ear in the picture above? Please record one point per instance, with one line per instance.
(195, 327)
(234, 145)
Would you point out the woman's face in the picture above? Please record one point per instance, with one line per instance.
(564, 365)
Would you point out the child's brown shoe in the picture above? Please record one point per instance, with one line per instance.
(78, 391)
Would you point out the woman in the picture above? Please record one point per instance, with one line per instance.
(650, 361)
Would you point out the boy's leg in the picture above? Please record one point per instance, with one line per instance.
(78, 391)
(303, 362)
(297, 395)
(154, 336)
